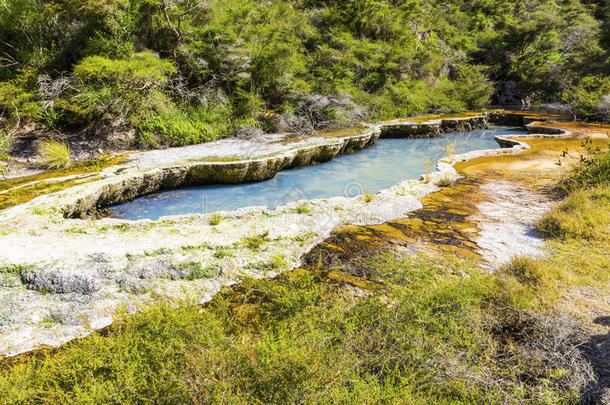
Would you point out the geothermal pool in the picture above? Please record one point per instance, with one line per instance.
(383, 165)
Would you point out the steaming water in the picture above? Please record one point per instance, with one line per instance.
(385, 164)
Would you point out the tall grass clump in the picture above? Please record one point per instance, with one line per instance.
(585, 214)
(54, 154)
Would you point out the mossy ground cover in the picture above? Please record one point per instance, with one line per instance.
(23, 189)
(407, 328)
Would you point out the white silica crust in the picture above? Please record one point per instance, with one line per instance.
(61, 277)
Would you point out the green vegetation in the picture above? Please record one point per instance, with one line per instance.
(434, 331)
(187, 71)
(584, 214)
(257, 241)
(54, 154)
(215, 219)
(368, 197)
(196, 271)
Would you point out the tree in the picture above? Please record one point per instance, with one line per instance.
(178, 10)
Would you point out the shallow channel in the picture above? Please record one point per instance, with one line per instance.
(383, 165)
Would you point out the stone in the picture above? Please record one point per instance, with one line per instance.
(58, 282)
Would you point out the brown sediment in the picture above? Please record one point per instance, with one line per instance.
(536, 165)
(441, 224)
(593, 130)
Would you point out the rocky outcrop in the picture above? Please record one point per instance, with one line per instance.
(433, 128)
(536, 128)
(58, 282)
(430, 129)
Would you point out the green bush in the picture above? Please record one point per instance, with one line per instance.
(184, 128)
(140, 71)
(263, 58)
(18, 97)
(585, 96)
(595, 171)
(583, 215)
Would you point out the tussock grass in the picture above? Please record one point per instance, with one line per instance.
(54, 154)
(584, 215)
(255, 242)
(535, 274)
(215, 219)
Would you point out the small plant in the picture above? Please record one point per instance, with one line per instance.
(37, 211)
(214, 219)
(222, 252)
(590, 168)
(528, 271)
(255, 242)
(427, 169)
(55, 154)
(278, 261)
(445, 182)
(449, 150)
(15, 269)
(303, 209)
(368, 197)
(48, 321)
(197, 272)
(6, 140)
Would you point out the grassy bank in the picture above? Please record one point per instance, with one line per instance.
(412, 329)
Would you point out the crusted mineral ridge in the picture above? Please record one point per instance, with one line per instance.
(87, 269)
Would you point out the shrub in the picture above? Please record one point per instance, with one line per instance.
(197, 272)
(585, 96)
(6, 140)
(594, 170)
(255, 242)
(54, 154)
(139, 72)
(179, 129)
(214, 219)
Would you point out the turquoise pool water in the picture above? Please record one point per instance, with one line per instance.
(385, 164)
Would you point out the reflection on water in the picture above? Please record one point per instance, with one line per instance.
(385, 164)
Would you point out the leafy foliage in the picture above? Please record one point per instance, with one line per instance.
(152, 65)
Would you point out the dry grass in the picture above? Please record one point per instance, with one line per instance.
(54, 154)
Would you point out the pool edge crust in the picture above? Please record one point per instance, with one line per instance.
(118, 191)
(433, 128)
(83, 199)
